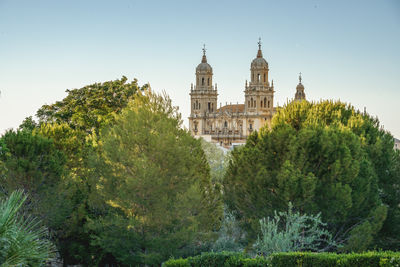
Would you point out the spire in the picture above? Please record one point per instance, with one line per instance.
(204, 59)
(259, 53)
(300, 77)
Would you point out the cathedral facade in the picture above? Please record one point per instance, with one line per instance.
(230, 125)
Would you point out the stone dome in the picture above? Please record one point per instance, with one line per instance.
(300, 86)
(259, 62)
(204, 66)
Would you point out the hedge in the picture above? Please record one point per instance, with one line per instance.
(306, 259)
(303, 259)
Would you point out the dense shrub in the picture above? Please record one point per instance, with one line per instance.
(230, 236)
(291, 231)
(209, 259)
(303, 259)
(332, 259)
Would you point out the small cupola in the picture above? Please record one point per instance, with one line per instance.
(204, 67)
(300, 95)
(259, 62)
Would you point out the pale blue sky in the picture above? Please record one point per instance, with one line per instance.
(347, 50)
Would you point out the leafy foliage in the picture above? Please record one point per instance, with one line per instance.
(387, 259)
(209, 259)
(217, 160)
(74, 124)
(154, 178)
(230, 236)
(91, 107)
(284, 259)
(32, 162)
(290, 231)
(117, 181)
(23, 242)
(323, 157)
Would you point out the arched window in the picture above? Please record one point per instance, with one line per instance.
(208, 81)
(251, 126)
(212, 107)
(202, 81)
(261, 103)
(265, 102)
(248, 103)
(258, 77)
(252, 102)
(255, 103)
(264, 77)
(268, 103)
(209, 106)
(199, 105)
(194, 105)
(252, 77)
(225, 124)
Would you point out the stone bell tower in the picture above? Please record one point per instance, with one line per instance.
(203, 96)
(259, 93)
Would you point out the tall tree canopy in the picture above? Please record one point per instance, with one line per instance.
(32, 162)
(323, 157)
(91, 107)
(154, 179)
(69, 127)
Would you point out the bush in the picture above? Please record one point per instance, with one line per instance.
(291, 231)
(230, 236)
(305, 259)
(209, 259)
(176, 263)
(288, 259)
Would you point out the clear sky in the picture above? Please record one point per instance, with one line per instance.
(347, 50)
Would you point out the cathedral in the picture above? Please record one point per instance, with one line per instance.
(230, 125)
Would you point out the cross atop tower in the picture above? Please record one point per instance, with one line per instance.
(259, 53)
(300, 77)
(204, 59)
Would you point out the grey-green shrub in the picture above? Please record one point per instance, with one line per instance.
(230, 236)
(291, 231)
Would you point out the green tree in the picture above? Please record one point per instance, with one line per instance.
(74, 124)
(32, 162)
(23, 242)
(91, 107)
(322, 158)
(154, 179)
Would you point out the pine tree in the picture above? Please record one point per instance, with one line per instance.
(154, 179)
(323, 157)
